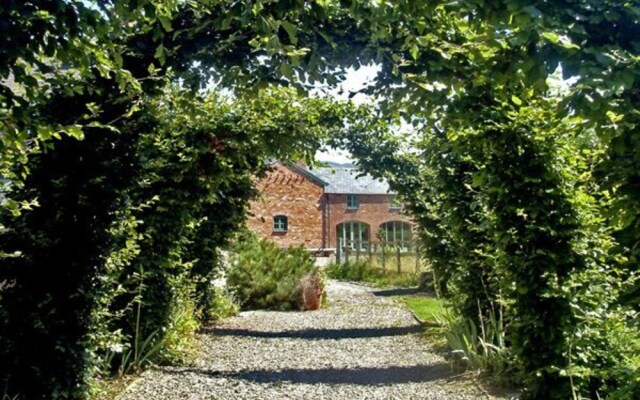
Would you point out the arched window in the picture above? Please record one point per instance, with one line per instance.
(353, 234)
(280, 223)
(396, 232)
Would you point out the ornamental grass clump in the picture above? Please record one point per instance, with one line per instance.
(263, 276)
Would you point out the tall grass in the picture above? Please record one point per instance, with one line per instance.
(5, 396)
(172, 346)
(480, 347)
(363, 271)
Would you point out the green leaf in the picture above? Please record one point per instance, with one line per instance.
(292, 31)
(327, 39)
(166, 23)
(285, 69)
(562, 40)
(45, 132)
(414, 51)
(552, 37)
(75, 131)
(516, 100)
(159, 54)
(426, 86)
(422, 41)
(613, 117)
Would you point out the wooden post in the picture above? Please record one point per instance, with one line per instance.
(338, 254)
(416, 255)
(346, 252)
(369, 251)
(398, 258)
(384, 260)
(358, 244)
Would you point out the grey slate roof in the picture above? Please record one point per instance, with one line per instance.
(347, 180)
(306, 172)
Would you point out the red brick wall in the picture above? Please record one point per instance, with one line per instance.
(285, 192)
(373, 209)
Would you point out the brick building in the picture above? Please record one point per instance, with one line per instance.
(324, 208)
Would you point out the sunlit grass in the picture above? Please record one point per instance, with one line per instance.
(362, 271)
(426, 309)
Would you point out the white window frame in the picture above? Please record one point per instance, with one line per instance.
(357, 232)
(280, 223)
(352, 201)
(393, 232)
(395, 203)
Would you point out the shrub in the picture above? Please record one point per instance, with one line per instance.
(215, 300)
(221, 304)
(122, 217)
(264, 276)
(179, 341)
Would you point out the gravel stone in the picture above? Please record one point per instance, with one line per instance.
(363, 345)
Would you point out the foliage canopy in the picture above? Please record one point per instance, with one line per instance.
(525, 195)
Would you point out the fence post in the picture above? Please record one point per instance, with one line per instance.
(384, 259)
(358, 243)
(398, 258)
(369, 250)
(346, 253)
(416, 255)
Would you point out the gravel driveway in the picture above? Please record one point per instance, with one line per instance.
(364, 345)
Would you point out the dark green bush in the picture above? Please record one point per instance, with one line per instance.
(510, 214)
(264, 276)
(121, 249)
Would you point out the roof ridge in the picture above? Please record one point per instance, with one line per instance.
(305, 172)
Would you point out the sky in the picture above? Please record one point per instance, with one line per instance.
(355, 80)
(359, 79)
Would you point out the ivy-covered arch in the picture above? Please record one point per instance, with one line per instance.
(495, 186)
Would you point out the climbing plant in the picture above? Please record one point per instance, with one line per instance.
(464, 67)
(507, 211)
(80, 264)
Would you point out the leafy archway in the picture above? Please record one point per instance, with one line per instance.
(496, 183)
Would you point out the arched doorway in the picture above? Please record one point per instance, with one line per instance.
(353, 234)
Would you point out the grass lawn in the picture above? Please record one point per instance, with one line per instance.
(392, 279)
(425, 308)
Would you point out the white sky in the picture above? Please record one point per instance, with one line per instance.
(355, 80)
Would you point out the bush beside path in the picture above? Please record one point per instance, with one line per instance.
(363, 345)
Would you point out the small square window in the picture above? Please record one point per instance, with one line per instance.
(395, 203)
(352, 201)
(280, 223)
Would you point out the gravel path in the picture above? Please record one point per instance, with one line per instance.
(364, 345)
